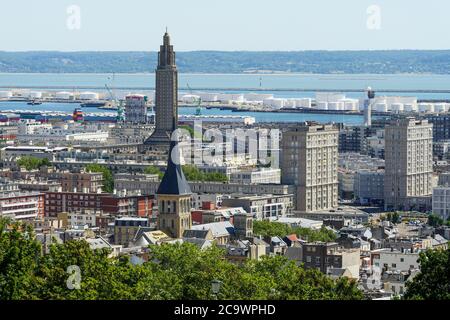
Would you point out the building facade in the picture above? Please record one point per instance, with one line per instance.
(310, 162)
(136, 109)
(21, 205)
(441, 202)
(408, 164)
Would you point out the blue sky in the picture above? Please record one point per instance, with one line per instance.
(225, 25)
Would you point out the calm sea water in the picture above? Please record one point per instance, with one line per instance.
(397, 82)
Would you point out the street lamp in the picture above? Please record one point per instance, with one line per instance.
(215, 287)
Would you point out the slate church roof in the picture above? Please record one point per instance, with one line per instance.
(174, 182)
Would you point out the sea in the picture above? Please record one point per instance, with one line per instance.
(295, 85)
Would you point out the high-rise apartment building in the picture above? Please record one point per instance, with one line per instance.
(310, 162)
(408, 164)
(136, 109)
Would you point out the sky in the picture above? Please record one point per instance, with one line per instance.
(230, 25)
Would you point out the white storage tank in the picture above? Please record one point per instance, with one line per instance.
(208, 97)
(35, 95)
(303, 103)
(426, 107)
(350, 105)
(63, 95)
(322, 105)
(89, 96)
(335, 105)
(290, 103)
(409, 107)
(381, 107)
(397, 107)
(5, 94)
(275, 103)
(228, 97)
(257, 96)
(440, 107)
(190, 98)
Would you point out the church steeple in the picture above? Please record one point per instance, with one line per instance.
(174, 182)
(166, 54)
(174, 197)
(166, 98)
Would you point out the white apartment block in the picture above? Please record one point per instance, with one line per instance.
(394, 260)
(256, 176)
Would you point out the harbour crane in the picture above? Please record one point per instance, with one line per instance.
(197, 101)
(115, 103)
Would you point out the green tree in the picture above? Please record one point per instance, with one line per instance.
(174, 271)
(33, 163)
(269, 229)
(435, 221)
(192, 173)
(108, 179)
(433, 280)
(393, 217)
(19, 254)
(154, 170)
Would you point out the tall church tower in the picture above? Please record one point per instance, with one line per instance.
(166, 100)
(174, 197)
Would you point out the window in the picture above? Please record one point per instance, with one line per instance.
(308, 259)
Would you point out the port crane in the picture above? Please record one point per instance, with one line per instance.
(115, 103)
(197, 101)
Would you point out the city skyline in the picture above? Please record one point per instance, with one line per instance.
(104, 26)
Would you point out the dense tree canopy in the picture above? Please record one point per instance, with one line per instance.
(193, 173)
(33, 163)
(180, 271)
(154, 170)
(435, 220)
(270, 229)
(108, 179)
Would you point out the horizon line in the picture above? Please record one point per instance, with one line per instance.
(228, 51)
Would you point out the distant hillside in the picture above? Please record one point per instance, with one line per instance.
(326, 62)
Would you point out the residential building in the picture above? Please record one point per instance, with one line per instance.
(115, 204)
(21, 205)
(441, 202)
(368, 186)
(125, 229)
(222, 232)
(135, 108)
(256, 176)
(408, 164)
(263, 206)
(389, 259)
(328, 256)
(310, 162)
